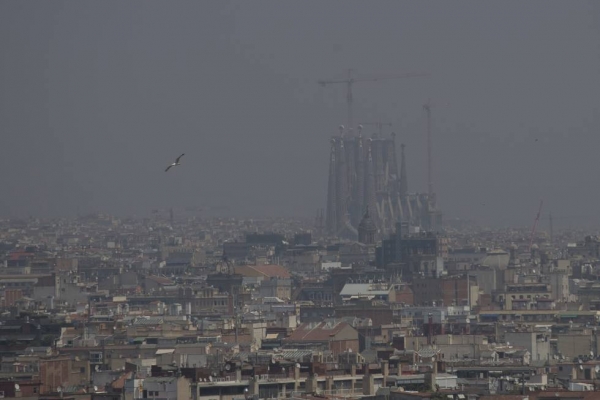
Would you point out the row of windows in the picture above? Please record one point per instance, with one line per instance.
(521, 297)
(319, 296)
(17, 284)
(214, 303)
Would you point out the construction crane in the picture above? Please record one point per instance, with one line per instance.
(379, 125)
(350, 80)
(535, 223)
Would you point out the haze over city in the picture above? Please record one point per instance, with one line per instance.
(97, 98)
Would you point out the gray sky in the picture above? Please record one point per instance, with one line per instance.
(96, 98)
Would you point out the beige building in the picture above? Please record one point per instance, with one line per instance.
(522, 296)
(164, 388)
(574, 345)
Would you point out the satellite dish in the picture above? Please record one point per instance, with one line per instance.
(59, 389)
(591, 354)
(597, 368)
(581, 367)
(210, 378)
(227, 367)
(17, 387)
(297, 365)
(95, 388)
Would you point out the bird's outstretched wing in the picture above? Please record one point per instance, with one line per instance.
(168, 168)
(178, 158)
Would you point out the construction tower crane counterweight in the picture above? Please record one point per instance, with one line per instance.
(351, 80)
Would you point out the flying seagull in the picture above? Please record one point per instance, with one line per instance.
(176, 163)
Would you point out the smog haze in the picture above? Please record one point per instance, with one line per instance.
(97, 98)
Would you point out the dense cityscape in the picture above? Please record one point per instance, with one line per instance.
(327, 200)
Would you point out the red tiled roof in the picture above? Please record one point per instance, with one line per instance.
(309, 332)
(18, 255)
(271, 271)
(160, 280)
(266, 271)
(119, 383)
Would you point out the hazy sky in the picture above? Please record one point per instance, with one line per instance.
(96, 98)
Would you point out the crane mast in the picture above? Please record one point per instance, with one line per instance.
(535, 223)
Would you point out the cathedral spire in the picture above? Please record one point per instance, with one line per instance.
(331, 217)
(403, 180)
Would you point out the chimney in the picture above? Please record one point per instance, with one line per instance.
(253, 387)
(312, 384)
(329, 384)
(368, 382)
(431, 376)
(353, 370)
(385, 368)
(238, 374)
